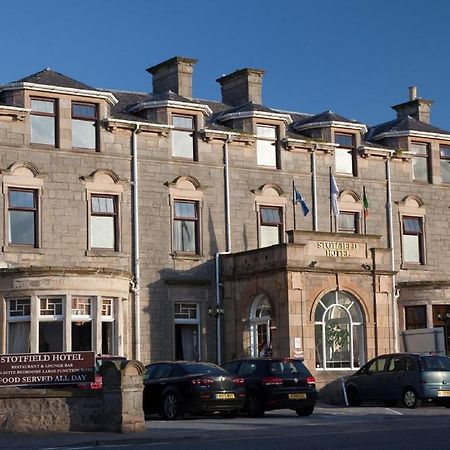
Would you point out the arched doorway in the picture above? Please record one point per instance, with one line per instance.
(260, 318)
(339, 332)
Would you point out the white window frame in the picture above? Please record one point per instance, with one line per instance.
(188, 321)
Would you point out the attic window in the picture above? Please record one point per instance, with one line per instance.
(84, 125)
(183, 137)
(345, 156)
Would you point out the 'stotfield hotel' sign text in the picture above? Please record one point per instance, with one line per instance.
(339, 249)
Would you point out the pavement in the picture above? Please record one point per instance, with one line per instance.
(74, 439)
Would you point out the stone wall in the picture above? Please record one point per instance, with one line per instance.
(117, 407)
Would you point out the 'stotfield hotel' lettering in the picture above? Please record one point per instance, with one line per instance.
(158, 225)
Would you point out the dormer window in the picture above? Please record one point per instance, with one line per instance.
(43, 123)
(183, 137)
(84, 125)
(266, 146)
(345, 154)
(444, 151)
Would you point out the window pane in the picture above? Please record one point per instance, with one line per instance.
(103, 205)
(185, 239)
(183, 122)
(43, 106)
(266, 132)
(266, 153)
(412, 225)
(21, 227)
(416, 317)
(344, 160)
(84, 134)
(185, 210)
(21, 199)
(445, 170)
(270, 216)
(269, 236)
(347, 222)
(19, 337)
(51, 336)
(419, 149)
(102, 232)
(445, 151)
(182, 144)
(411, 248)
(81, 336)
(358, 345)
(346, 140)
(185, 311)
(420, 169)
(108, 338)
(42, 130)
(19, 307)
(81, 110)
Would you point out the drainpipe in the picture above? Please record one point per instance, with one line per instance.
(136, 253)
(219, 306)
(391, 246)
(314, 188)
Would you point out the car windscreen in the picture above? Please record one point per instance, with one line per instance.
(435, 363)
(288, 368)
(197, 368)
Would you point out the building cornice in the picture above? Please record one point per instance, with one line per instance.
(366, 151)
(205, 109)
(412, 133)
(107, 96)
(264, 115)
(112, 124)
(14, 111)
(334, 124)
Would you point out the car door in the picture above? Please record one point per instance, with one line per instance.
(154, 384)
(369, 381)
(393, 378)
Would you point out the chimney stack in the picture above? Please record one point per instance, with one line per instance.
(242, 86)
(416, 107)
(174, 75)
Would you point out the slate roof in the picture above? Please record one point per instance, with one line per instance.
(406, 123)
(52, 78)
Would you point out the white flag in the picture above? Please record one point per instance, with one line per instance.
(334, 192)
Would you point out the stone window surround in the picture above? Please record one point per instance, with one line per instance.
(280, 130)
(350, 202)
(412, 206)
(104, 182)
(270, 195)
(22, 175)
(189, 189)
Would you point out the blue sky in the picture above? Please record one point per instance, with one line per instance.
(356, 58)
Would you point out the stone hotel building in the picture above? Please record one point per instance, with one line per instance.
(159, 225)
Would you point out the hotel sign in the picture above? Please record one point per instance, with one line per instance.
(18, 369)
(339, 249)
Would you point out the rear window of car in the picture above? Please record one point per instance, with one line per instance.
(288, 368)
(194, 368)
(435, 363)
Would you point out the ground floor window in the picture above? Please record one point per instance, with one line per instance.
(61, 323)
(415, 317)
(339, 332)
(187, 331)
(260, 331)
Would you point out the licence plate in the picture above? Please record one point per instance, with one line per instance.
(224, 396)
(443, 393)
(296, 396)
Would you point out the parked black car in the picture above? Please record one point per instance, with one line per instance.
(406, 377)
(275, 383)
(173, 388)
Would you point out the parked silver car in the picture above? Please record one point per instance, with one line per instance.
(407, 377)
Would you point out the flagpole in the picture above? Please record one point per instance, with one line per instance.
(293, 204)
(314, 188)
(364, 210)
(331, 207)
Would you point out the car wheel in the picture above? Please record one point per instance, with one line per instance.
(254, 406)
(353, 397)
(305, 410)
(231, 414)
(171, 407)
(410, 399)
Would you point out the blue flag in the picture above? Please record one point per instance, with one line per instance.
(301, 201)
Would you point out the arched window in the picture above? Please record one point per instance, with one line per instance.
(339, 328)
(260, 317)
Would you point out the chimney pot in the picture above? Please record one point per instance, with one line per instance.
(412, 92)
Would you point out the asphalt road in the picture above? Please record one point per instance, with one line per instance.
(367, 427)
